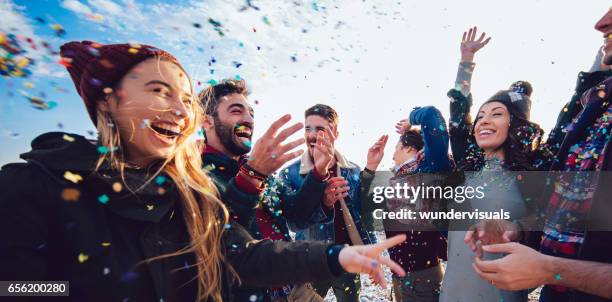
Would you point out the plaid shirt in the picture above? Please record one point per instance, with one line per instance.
(571, 200)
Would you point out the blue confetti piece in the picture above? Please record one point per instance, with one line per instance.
(160, 179)
(103, 199)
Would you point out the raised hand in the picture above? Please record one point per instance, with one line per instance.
(487, 232)
(469, 44)
(402, 126)
(376, 153)
(323, 153)
(270, 151)
(337, 188)
(367, 259)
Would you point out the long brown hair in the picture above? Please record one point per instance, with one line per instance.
(204, 214)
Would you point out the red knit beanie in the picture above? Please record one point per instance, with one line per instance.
(94, 68)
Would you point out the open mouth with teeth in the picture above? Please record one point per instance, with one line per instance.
(243, 133)
(166, 133)
(485, 133)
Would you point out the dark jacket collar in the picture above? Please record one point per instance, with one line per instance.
(60, 154)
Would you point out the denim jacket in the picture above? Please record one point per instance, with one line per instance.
(294, 176)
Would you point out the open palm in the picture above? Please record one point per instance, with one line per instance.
(470, 45)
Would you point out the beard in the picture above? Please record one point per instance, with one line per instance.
(228, 138)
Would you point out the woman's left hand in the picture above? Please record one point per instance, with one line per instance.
(487, 232)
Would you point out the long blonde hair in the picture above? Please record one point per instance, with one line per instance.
(204, 214)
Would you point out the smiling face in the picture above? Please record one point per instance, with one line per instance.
(314, 124)
(492, 126)
(230, 128)
(151, 109)
(604, 25)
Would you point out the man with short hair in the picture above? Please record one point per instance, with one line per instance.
(342, 196)
(257, 200)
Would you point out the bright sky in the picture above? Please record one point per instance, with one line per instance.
(371, 60)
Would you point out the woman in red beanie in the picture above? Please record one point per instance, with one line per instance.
(134, 217)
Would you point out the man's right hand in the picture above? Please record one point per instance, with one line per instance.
(337, 188)
(269, 152)
(469, 44)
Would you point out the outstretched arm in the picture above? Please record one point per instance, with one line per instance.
(266, 263)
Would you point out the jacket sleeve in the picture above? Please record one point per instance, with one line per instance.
(435, 138)
(266, 263)
(23, 226)
(303, 207)
(463, 81)
(584, 82)
(460, 124)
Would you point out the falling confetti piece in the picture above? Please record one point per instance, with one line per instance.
(83, 257)
(103, 149)
(59, 30)
(150, 207)
(266, 20)
(160, 179)
(66, 62)
(68, 138)
(106, 243)
(73, 177)
(117, 187)
(103, 199)
(71, 194)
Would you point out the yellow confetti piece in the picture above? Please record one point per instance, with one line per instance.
(150, 207)
(68, 138)
(117, 187)
(106, 244)
(133, 51)
(23, 62)
(83, 257)
(565, 109)
(73, 177)
(28, 85)
(71, 194)
(108, 90)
